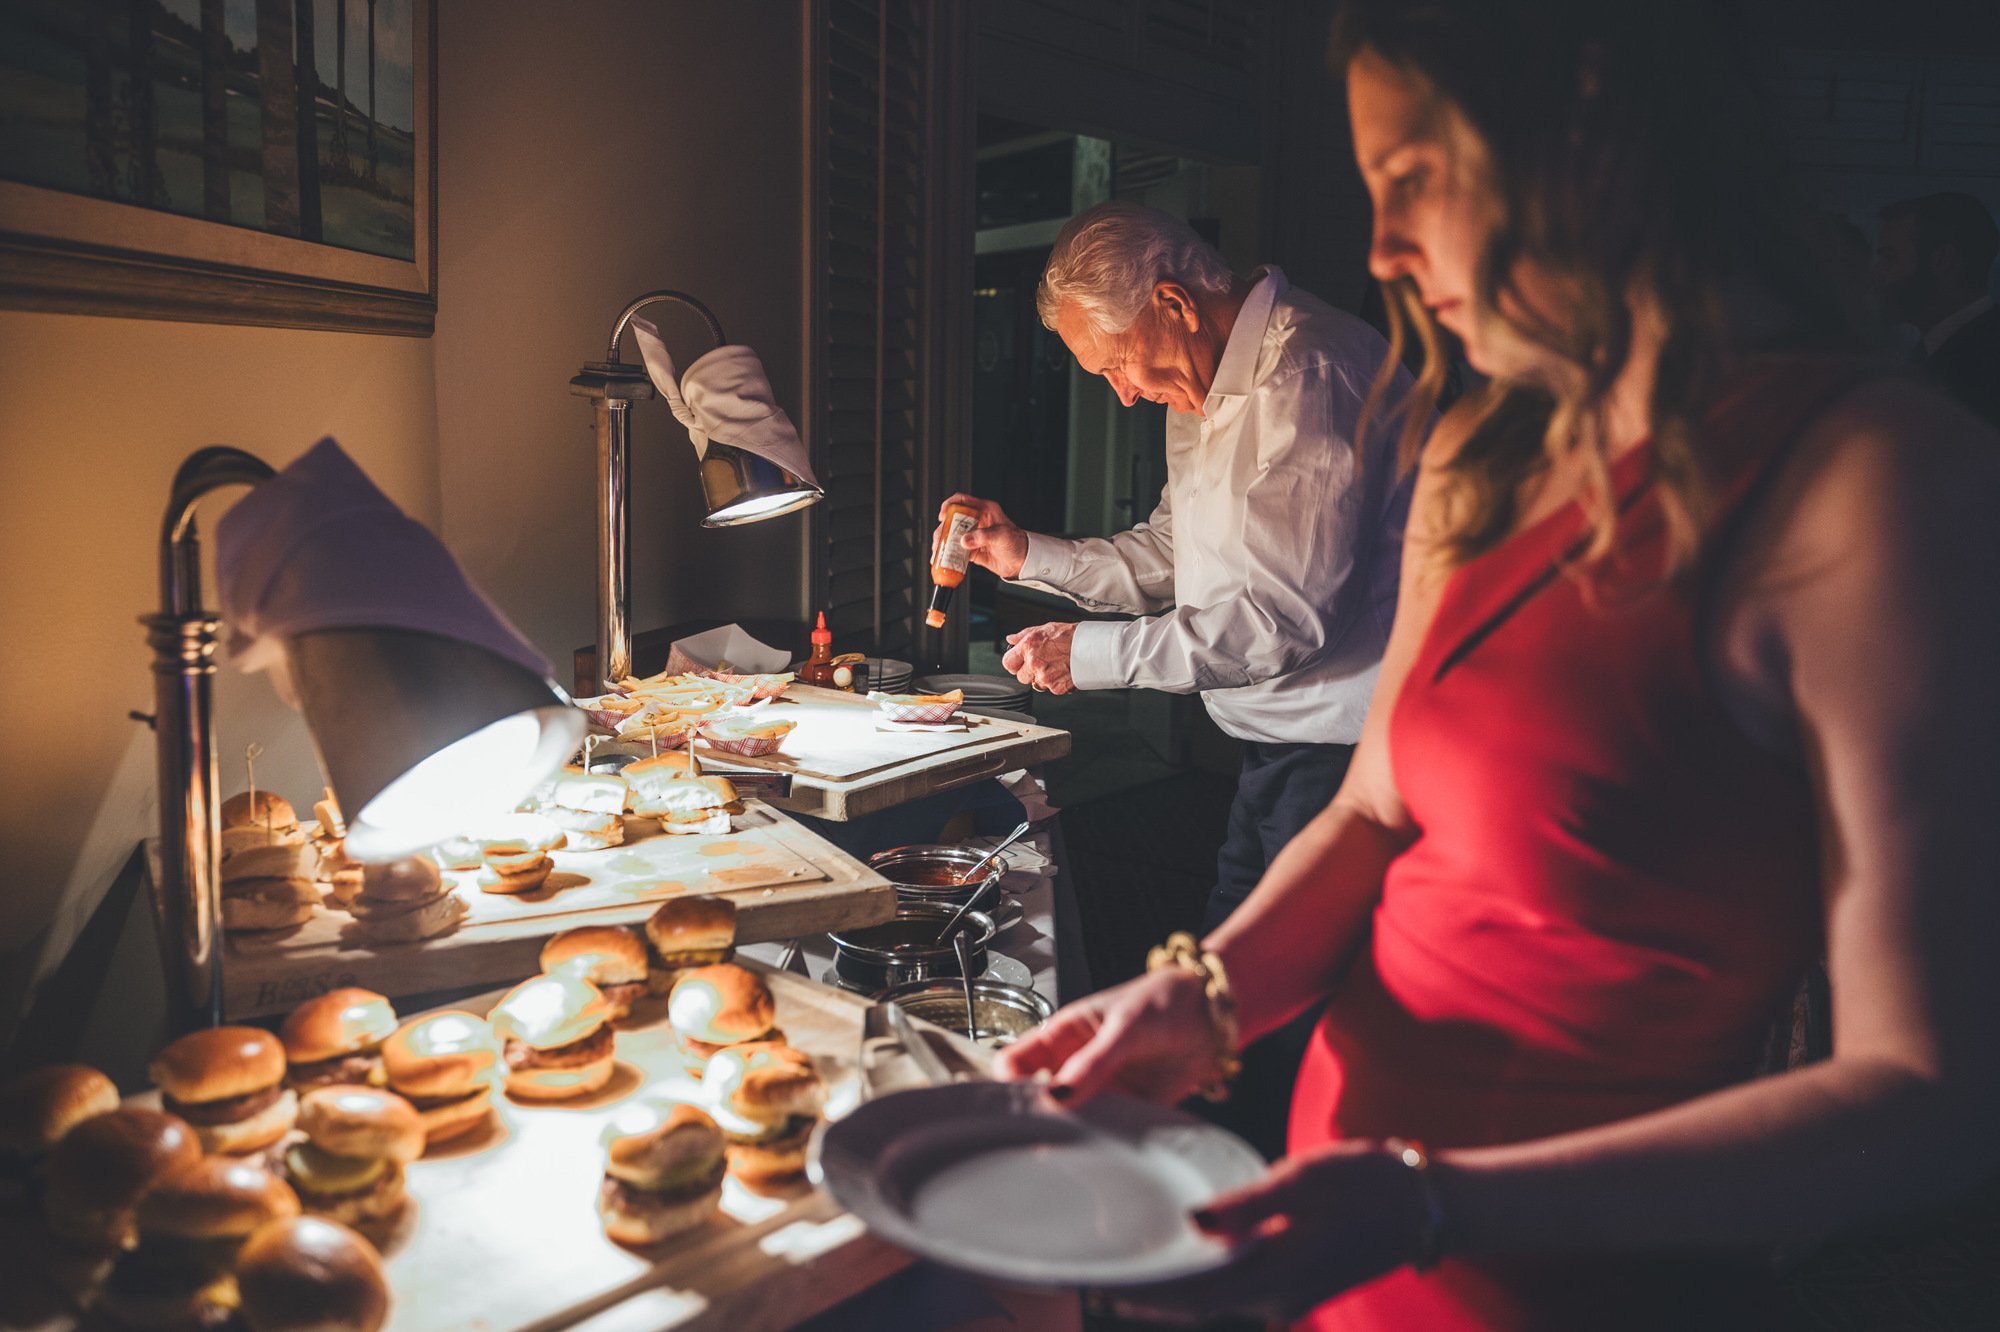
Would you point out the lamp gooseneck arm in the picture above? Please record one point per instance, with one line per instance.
(653, 298)
(206, 470)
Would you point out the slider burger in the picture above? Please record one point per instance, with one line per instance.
(268, 885)
(402, 901)
(191, 1226)
(556, 1034)
(459, 853)
(611, 957)
(662, 1173)
(766, 1099)
(258, 818)
(337, 1039)
(38, 1108)
(589, 807)
(308, 1274)
(688, 932)
(669, 787)
(443, 1065)
(513, 866)
(229, 1083)
(358, 1139)
(103, 1166)
(719, 1006)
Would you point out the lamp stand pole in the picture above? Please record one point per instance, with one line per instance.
(187, 898)
(613, 386)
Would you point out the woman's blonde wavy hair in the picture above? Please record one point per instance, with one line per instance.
(1627, 148)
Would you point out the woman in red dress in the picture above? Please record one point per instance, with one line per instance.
(1692, 682)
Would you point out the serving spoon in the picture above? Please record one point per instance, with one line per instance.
(967, 875)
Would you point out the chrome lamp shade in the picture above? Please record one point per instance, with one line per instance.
(421, 736)
(742, 487)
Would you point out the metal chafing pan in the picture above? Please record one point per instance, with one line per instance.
(909, 866)
(876, 957)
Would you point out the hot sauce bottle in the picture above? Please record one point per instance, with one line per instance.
(949, 564)
(818, 668)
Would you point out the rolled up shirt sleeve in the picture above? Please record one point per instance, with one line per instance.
(1131, 572)
(1292, 565)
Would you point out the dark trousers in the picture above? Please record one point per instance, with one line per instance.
(1281, 789)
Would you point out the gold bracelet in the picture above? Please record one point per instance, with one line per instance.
(1182, 953)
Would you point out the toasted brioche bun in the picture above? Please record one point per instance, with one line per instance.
(525, 878)
(548, 1011)
(339, 1022)
(275, 861)
(217, 1063)
(560, 1084)
(217, 1197)
(445, 1054)
(104, 1165)
(650, 1140)
(40, 1106)
(588, 830)
(602, 954)
(594, 792)
(766, 1083)
(362, 1122)
(765, 1160)
(137, 1296)
(268, 904)
(721, 1005)
(449, 1119)
(410, 879)
(308, 1274)
(267, 809)
(535, 832)
(255, 1133)
(699, 923)
(440, 915)
(637, 1217)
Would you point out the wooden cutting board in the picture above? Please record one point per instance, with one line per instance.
(503, 1233)
(835, 737)
(786, 881)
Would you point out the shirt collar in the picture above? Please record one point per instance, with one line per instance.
(1940, 332)
(1236, 373)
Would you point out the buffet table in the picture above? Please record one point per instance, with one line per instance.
(502, 1231)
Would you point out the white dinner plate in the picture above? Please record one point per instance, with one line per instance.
(987, 1178)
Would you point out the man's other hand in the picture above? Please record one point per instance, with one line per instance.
(1040, 657)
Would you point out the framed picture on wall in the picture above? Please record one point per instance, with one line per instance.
(220, 161)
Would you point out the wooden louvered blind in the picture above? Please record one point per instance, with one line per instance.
(884, 399)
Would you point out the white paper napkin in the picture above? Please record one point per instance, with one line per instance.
(724, 396)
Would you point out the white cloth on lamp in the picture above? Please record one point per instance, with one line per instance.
(725, 396)
(319, 546)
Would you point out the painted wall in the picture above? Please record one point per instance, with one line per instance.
(585, 164)
(95, 415)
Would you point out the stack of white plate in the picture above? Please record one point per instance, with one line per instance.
(981, 691)
(889, 675)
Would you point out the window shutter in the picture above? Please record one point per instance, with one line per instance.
(891, 263)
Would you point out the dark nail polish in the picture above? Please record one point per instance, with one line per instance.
(1205, 1217)
(1059, 1091)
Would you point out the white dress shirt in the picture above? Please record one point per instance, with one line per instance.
(1266, 578)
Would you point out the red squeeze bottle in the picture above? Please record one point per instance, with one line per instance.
(818, 669)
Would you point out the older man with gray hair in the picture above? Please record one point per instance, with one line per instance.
(1266, 578)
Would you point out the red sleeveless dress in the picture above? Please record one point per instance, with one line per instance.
(1612, 893)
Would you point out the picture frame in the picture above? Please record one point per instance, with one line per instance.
(63, 250)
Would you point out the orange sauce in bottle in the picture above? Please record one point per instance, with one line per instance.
(949, 565)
